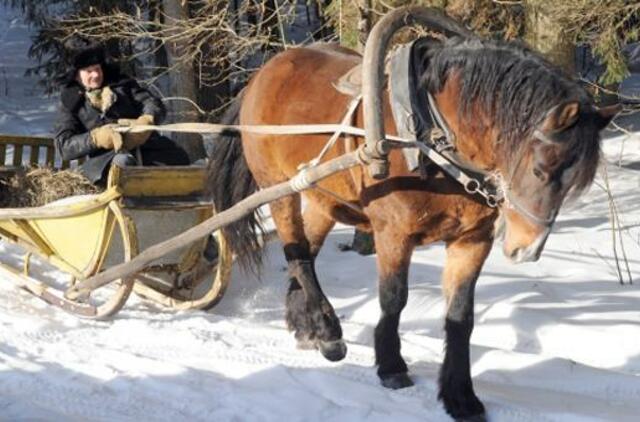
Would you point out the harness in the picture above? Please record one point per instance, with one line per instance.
(430, 132)
(430, 135)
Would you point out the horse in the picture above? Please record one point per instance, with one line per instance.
(512, 113)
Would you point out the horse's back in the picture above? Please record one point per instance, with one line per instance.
(297, 77)
(294, 87)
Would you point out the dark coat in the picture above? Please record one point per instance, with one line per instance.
(77, 117)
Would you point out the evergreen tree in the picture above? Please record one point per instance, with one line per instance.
(550, 26)
(48, 44)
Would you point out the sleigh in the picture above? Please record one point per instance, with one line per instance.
(81, 236)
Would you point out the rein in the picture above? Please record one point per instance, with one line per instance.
(489, 185)
(463, 175)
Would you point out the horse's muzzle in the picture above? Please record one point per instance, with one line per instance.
(530, 253)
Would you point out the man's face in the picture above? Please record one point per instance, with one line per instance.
(91, 77)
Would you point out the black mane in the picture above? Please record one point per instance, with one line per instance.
(514, 86)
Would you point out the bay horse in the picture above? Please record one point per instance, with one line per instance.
(511, 113)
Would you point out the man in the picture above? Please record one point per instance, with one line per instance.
(94, 100)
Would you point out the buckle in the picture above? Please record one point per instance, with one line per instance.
(439, 140)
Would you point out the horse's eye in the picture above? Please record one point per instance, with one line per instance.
(539, 174)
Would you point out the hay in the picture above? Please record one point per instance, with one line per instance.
(36, 187)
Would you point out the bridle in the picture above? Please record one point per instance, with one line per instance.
(491, 185)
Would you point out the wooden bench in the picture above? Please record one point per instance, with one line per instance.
(41, 153)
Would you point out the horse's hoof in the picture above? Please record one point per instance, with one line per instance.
(334, 350)
(475, 418)
(396, 381)
(463, 407)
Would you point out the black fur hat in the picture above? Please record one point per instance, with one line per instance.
(82, 53)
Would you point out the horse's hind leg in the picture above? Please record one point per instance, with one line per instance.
(309, 313)
(394, 255)
(316, 228)
(464, 262)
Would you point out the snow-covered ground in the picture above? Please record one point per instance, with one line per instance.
(555, 340)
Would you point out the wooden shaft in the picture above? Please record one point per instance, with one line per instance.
(373, 72)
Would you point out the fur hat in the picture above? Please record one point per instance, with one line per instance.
(82, 53)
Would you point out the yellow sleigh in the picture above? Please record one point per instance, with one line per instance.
(83, 235)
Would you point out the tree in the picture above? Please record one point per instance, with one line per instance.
(545, 32)
(182, 78)
(553, 27)
(606, 26)
(47, 46)
(208, 48)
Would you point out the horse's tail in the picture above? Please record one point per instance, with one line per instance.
(228, 182)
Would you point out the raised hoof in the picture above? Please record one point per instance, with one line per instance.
(396, 381)
(475, 418)
(332, 350)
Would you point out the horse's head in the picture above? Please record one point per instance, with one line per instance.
(519, 117)
(561, 156)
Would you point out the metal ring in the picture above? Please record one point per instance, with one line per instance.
(472, 186)
(410, 122)
(492, 201)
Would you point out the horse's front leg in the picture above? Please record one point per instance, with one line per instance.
(465, 258)
(394, 255)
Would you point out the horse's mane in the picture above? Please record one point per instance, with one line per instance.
(513, 86)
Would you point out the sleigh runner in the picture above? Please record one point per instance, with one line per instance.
(82, 235)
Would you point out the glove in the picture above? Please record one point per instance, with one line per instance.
(134, 140)
(107, 138)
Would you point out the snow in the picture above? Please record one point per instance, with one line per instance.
(555, 340)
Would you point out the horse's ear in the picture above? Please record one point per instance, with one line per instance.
(561, 117)
(606, 114)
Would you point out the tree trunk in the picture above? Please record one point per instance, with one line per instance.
(365, 23)
(182, 82)
(216, 91)
(301, 21)
(544, 33)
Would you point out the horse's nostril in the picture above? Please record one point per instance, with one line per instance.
(519, 255)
